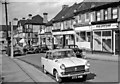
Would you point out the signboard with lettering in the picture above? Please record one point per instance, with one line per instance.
(105, 26)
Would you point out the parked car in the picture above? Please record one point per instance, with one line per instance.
(16, 51)
(36, 48)
(63, 63)
(44, 48)
(28, 49)
(80, 53)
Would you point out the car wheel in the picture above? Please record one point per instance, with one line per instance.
(44, 71)
(84, 77)
(57, 77)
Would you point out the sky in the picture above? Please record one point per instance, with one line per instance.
(21, 8)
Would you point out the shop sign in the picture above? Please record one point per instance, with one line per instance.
(105, 26)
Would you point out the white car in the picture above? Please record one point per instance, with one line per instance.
(64, 63)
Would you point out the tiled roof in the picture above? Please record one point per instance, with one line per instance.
(59, 16)
(4, 27)
(71, 11)
(35, 20)
(22, 22)
(50, 23)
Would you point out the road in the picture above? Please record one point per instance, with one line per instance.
(104, 71)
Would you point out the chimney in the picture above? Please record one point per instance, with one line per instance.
(29, 16)
(23, 18)
(45, 17)
(64, 6)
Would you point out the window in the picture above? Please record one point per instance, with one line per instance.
(98, 15)
(80, 17)
(87, 16)
(106, 33)
(88, 36)
(114, 13)
(82, 36)
(106, 14)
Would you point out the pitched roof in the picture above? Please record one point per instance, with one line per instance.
(61, 14)
(37, 20)
(88, 4)
(21, 22)
(49, 23)
(70, 12)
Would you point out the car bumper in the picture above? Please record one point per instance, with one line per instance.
(79, 74)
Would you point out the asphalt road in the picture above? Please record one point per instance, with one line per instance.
(103, 71)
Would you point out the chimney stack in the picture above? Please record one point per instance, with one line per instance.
(45, 18)
(29, 16)
(64, 6)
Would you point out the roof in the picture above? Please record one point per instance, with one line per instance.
(21, 22)
(70, 12)
(50, 23)
(37, 20)
(4, 27)
(62, 13)
(56, 50)
(88, 4)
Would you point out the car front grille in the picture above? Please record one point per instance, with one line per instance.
(75, 69)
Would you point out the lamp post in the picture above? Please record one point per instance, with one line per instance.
(15, 19)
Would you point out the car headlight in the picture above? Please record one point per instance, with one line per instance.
(87, 64)
(62, 67)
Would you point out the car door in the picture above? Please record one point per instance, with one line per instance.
(50, 63)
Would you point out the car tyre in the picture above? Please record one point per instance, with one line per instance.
(57, 77)
(44, 71)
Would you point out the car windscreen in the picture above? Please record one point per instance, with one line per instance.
(63, 54)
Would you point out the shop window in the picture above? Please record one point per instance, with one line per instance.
(88, 36)
(83, 36)
(106, 33)
(114, 13)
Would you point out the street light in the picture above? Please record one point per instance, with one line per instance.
(11, 23)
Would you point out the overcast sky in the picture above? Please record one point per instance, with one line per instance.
(21, 8)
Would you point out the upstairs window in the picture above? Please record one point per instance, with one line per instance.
(106, 14)
(98, 15)
(80, 18)
(114, 13)
(87, 17)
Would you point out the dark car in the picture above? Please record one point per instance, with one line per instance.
(80, 53)
(36, 48)
(28, 49)
(44, 48)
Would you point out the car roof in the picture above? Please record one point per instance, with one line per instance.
(56, 50)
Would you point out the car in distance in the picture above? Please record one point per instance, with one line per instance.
(80, 53)
(64, 63)
(43, 48)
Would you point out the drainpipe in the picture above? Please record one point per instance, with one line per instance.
(119, 28)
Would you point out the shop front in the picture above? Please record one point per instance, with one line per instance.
(105, 37)
(83, 37)
(64, 38)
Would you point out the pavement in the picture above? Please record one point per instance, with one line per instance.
(15, 70)
(102, 56)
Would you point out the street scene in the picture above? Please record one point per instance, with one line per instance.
(66, 42)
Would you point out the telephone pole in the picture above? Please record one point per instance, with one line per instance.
(6, 16)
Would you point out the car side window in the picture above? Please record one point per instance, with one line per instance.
(50, 56)
(47, 55)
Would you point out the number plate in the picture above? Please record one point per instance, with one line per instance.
(75, 77)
